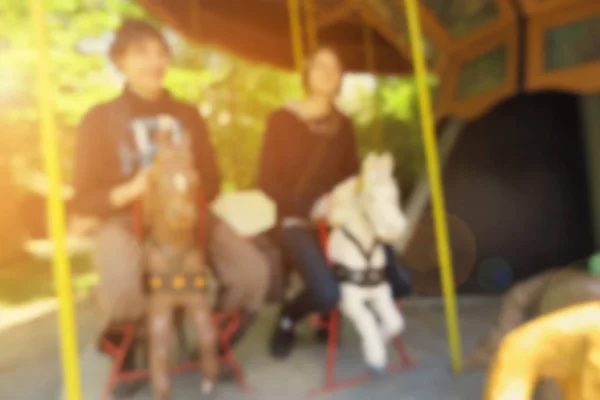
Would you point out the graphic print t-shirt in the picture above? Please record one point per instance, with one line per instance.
(115, 139)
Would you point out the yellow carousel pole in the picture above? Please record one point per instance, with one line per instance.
(435, 182)
(56, 210)
(311, 25)
(296, 33)
(370, 60)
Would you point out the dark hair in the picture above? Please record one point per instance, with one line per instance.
(308, 62)
(131, 31)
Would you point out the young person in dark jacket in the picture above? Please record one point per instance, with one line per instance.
(309, 148)
(114, 149)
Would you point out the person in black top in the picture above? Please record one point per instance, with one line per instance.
(310, 147)
(114, 149)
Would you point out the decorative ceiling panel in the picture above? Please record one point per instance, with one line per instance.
(564, 48)
(390, 14)
(461, 17)
(482, 74)
(572, 44)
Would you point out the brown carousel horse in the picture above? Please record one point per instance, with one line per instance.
(174, 265)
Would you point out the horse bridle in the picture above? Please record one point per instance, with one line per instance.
(369, 277)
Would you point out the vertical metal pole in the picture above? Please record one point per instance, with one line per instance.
(56, 209)
(371, 67)
(296, 32)
(435, 180)
(311, 26)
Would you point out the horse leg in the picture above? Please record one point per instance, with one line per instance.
(373, 346)
(179, 325)
(201, 315)
(392, 323)
(160, 322)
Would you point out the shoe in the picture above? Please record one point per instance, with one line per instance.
(282, 339)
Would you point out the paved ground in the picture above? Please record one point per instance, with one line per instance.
(29, 357)
(35, 374)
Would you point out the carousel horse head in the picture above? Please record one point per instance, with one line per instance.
(373, 195)
(174, 183)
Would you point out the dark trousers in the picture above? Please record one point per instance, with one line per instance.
(321, 292)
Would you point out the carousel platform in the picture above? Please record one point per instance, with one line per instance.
(37, 375)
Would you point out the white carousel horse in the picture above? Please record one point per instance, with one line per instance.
(364, 213)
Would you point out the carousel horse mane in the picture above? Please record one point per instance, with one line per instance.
(373, 194)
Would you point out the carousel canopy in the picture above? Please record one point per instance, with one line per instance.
(259, 30)
(474, 46)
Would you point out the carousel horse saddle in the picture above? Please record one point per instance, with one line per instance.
(174, 282)
(366, 278)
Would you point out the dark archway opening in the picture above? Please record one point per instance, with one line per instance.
(517, 177)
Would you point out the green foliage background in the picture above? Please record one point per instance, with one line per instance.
(234, 95)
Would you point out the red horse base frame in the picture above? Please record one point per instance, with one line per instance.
(332, 325)
(226, 325)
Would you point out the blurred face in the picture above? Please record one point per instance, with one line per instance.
(145, 64)
(325, 74)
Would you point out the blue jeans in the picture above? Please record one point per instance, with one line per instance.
(321, 290)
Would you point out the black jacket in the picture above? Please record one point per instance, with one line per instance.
(106, 154)
(289, 149)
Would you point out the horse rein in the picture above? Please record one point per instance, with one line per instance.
(368, 278)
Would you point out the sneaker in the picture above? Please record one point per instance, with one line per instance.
(282, 339)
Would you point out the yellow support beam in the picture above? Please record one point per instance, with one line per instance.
(311, 25)
(371, 67)
(296, 33)
(435, 182)
(56, 209)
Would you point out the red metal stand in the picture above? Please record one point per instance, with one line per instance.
(118, 353)
(330, 382)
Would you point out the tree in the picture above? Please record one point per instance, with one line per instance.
(80, 31)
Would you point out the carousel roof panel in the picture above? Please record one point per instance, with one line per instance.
(564, 45)
(259, 30)
(473, 45)
(461, 17)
